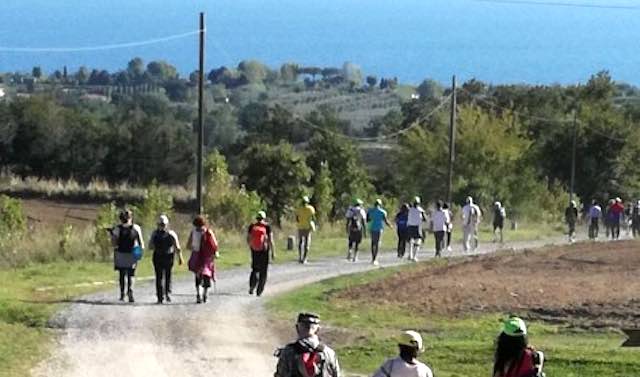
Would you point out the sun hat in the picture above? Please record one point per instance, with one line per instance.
(412, 339)
(379, 202)
(311, 318)
(163, 220)
(514, 326)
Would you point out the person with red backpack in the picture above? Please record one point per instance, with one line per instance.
(260, 240)
(513, 356)
(307, 356)
(204, 249)
(128, 243)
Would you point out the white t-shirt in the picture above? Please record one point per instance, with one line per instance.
(415, 216)
(138, 242)
(441, 220)
(400, 368)
(471, 214)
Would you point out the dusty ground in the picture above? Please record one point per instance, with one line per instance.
(57, 213)
(586, 285)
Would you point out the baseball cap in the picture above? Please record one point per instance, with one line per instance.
(417, 200)
(379, 202)
(412, 339)
(311, 318)
(163, 219)
(306, 199)
(357, 202)
(514, 326)
(261, 215)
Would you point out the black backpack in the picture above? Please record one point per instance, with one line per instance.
(162, 242)
(127, 237)
(355, 224)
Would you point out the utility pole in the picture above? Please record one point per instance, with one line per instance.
(452, 140)
(200, 116)
(573, 154)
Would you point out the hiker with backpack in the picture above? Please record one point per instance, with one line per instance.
(356, 228)
(165, 244)
(204, 250)
(402, 229)
(471, 216)
(499, 215)
(307, 356)
(306, 221)
(445, 207)
(616, 216)
(595, 214)
(377, 218)
(128, 242)
(513, 356)
(260, 241)
(406, 364)
(571, 217)
(416, 217)
(439, 225)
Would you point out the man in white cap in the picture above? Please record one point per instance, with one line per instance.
(471, 216)
(499, 215)
(165, 244)
(416, 217)
(406, 364)
(571, 217)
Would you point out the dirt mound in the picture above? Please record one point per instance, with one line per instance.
(586, 285)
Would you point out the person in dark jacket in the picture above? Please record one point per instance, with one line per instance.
(165, 245)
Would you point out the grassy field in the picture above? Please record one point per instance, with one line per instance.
(363, 332)
(24, 310)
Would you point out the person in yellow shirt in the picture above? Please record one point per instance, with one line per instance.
(305, 217)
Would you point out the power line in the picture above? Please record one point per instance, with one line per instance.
(99, 47)
(560, 4)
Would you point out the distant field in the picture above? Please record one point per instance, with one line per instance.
(358, 108)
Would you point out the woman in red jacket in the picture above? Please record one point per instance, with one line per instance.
(513, 356)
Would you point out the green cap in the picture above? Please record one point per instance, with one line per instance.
(514, 326)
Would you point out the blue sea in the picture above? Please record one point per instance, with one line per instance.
(499, 41)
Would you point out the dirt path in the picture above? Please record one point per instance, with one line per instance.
(227, 337)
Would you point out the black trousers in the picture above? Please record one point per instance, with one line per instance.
(440, 241)
(259, 267)
(594, 228)
(403, 238)
(163, 264)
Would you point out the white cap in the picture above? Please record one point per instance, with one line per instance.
(163, 219)
(497, 204)
(412, 339)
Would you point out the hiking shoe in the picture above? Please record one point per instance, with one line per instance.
(159, 300)
(198, 299)
(121, 296)
(167, 298)
(250, 291)
(130, 294)
(375, 263)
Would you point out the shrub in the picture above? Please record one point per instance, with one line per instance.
(158, 200)
(13, 221)
(107, 215)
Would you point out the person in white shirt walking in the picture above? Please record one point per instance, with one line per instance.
(414, 225)
(471, 216)
(407, 363)
(440, 224)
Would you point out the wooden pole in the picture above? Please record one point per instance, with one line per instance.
(452, 140)
(200, 117)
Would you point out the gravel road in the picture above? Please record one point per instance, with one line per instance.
(227, 337)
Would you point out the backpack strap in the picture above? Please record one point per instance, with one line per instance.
(385, 372)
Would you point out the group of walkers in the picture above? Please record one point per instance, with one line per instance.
(614, 216)
(128, 243)
(308, 356)
(411, 222)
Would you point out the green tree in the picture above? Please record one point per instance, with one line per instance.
(372, 81)
(348, 175)
(430, 89)
(36, 72)
(136, 69)
(157, 201)
(231, 205)
(253, 71)
(323, 199)
(277, 173)
(289, 72)
(161, 71)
